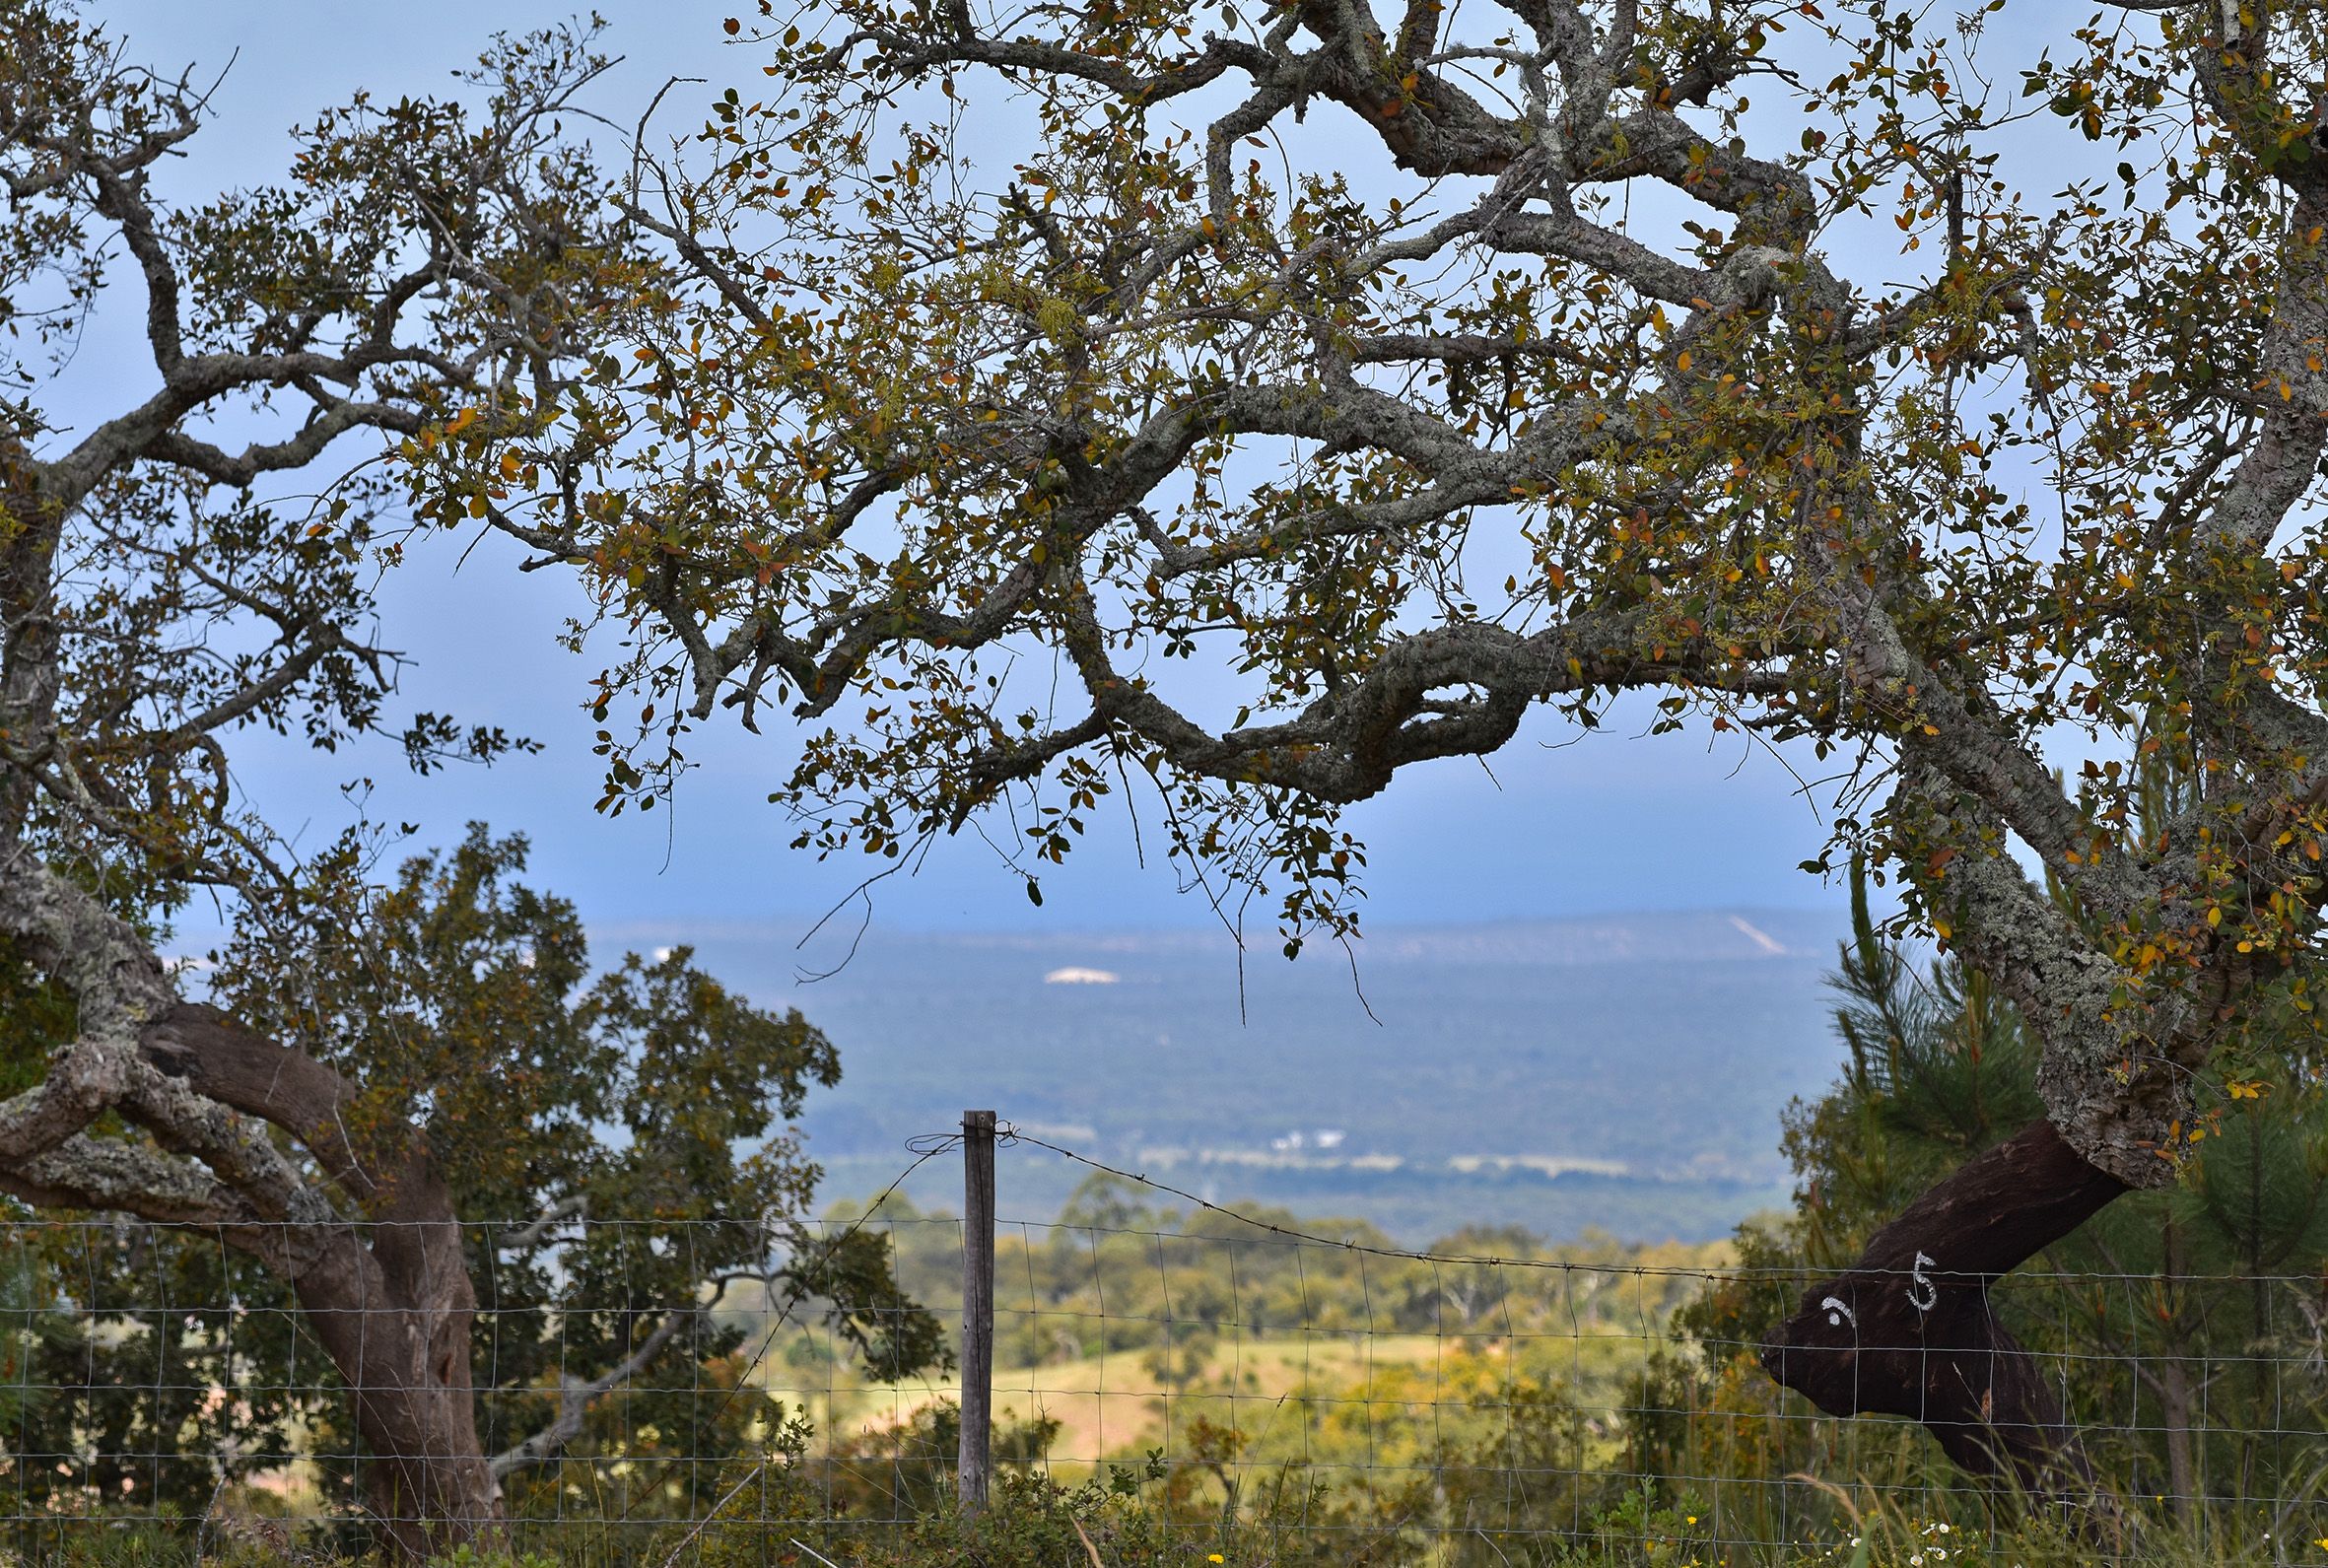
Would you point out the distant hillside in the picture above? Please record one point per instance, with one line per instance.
(1623, 1072)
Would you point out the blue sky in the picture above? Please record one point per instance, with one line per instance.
(1611, 822)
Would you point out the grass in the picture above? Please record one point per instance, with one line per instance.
(1323, 1396)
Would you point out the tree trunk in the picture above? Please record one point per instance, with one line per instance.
(1908, 1330)
(2174, 1386)
(395, 1319)
(389, 1297)
(2174, 1411)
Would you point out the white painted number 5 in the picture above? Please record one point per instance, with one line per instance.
(1923, 1294)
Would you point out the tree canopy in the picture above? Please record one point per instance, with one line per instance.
(404, 1085)
(1312, 392)
(1317, 391)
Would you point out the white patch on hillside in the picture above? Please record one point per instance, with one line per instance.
(1769, 945)
(1553, 1165)
(1076, 975)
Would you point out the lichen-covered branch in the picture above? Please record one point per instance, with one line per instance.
(1578, 402)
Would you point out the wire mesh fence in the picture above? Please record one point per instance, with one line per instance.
(1182, 1381)
(1410, 1409)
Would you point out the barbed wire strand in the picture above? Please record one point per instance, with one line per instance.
(923, 1150)
(798, 1293)
(1414, 1419)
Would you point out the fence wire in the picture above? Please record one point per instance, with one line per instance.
(1191, 1378)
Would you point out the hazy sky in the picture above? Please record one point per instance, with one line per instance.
(1612, 822)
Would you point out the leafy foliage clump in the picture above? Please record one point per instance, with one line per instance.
(619, 1145)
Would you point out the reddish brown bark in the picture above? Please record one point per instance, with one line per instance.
(398, 1329)
(1909, 1330)
(390, 1299)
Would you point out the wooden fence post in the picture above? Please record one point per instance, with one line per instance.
(976, 1460)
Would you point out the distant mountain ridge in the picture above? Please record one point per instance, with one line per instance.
(1698, 936)
(1621, 1070)
(1678, 935)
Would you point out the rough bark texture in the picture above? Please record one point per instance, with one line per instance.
(1910, 1330)
(398, 1333)
(386, 1289)
(390, 1301)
